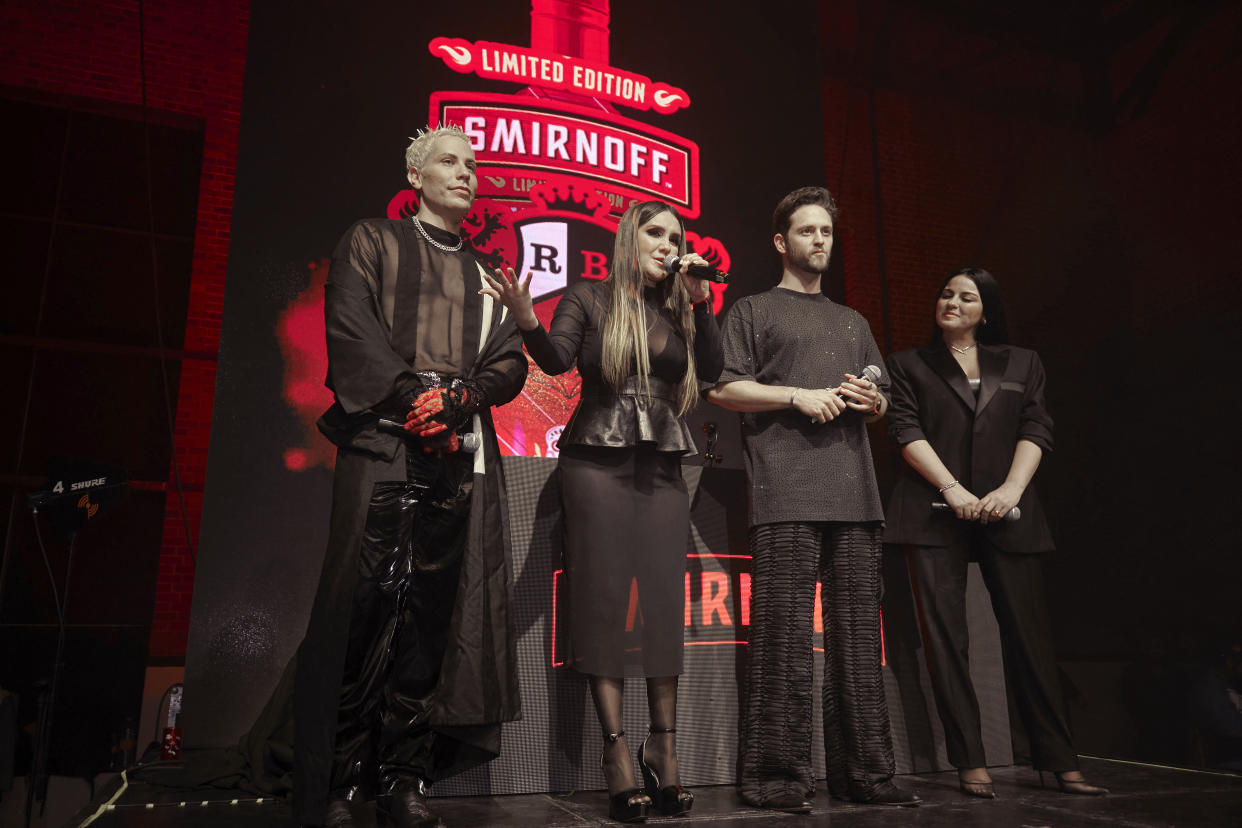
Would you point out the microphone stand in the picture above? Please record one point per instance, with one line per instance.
(710, 458)
(38, 779)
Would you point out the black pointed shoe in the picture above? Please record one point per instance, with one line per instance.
(886, 793)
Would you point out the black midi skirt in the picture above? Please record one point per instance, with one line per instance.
(627, 523)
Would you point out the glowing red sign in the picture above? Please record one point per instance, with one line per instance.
(626, 160)
(716, 611)
(502, 61)
(556, 165)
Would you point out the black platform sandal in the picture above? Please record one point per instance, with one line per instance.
(672, 800)
(620, 808)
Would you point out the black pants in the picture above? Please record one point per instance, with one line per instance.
(1015, 584)
(776, 728)
(410, 561)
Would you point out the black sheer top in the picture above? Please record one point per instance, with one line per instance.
(608, 417)
(393, 305)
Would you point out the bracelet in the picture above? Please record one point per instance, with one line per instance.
(947, 486)
(792, 394)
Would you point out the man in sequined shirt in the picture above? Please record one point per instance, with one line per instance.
(794, 368)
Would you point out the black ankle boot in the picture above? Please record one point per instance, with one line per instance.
(345, 808)
(405, 806)
(340, 814)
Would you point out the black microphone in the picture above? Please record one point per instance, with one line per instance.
(672, 264)
(1013, 514)
(467, 442)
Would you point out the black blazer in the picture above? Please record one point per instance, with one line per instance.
(932, 400)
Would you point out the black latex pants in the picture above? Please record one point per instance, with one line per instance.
(410, 561)
(776, 732)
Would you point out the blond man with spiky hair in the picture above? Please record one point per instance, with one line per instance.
(421, 144)
(396, 686)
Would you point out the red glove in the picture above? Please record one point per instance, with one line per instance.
(439, 409)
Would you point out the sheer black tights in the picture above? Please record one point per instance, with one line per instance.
(661, 751)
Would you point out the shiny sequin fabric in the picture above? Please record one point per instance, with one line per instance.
(797, 470)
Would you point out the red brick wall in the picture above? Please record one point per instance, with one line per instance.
(195, 57)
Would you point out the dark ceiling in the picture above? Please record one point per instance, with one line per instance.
(1084, 63)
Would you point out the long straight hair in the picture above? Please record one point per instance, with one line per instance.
(993, 329)
(625, 331)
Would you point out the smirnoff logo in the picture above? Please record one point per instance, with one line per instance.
(519, 144)
(500, 61)
(557, 164)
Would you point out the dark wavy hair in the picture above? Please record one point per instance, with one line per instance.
(782, 216)
(994, 326)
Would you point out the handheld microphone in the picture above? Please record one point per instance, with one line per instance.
(672, 264)
(871, 373)
(1013, 514)
(468, 442)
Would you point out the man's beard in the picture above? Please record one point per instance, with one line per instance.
(807, 265)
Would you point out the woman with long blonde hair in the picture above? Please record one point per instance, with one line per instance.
(643, 339)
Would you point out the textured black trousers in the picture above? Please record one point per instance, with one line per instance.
(775, 741)
(1015, 584)
(410, 562)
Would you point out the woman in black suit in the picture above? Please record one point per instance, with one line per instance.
(968, 412)
(642, 340)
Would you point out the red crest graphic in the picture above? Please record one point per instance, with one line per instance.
(557, 165)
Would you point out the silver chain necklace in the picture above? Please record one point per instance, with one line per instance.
(432, 241)
(965, 350)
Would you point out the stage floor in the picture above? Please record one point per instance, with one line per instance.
(1143, 796)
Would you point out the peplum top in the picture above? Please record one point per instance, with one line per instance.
(623, 417)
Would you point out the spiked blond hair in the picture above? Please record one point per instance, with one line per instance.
(420, 144)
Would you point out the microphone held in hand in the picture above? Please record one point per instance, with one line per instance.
(1013, 514)
(672, 264)
(872, 374)
(469, 441)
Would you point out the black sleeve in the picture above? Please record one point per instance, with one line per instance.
(1036, 424)
(501, 368)
(904, 425)
(708, 356)
(556, 351)
(738, 344)
(364, 372)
